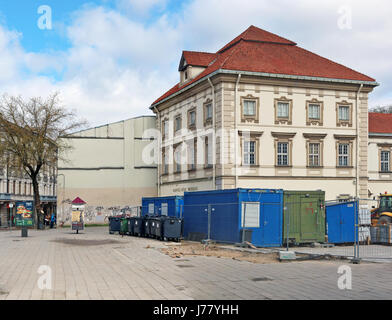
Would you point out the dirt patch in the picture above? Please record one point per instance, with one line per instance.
(211, 250)
(85, 243)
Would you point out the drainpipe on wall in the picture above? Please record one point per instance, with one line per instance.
(357, 143)
(159, 152)
(214, 131)
(236, 130)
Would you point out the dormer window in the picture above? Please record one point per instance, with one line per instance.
(186, 75)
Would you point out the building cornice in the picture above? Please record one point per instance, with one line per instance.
(267, 75)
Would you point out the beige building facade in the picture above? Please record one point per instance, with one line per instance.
(380, 152)
(237, 126)
(105, 168)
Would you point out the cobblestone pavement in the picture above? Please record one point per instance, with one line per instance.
(96, 265)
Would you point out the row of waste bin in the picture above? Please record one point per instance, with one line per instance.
(157, 227)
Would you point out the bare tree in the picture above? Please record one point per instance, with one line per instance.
(30, 132)
(380, 109)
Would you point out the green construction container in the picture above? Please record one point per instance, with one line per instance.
(124, 226)
(304, 217)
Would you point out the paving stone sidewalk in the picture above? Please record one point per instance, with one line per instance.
(97, 265)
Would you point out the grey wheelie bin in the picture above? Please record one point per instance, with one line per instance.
(173, 228)
(114, 224)
(138, 227)
(157, 227)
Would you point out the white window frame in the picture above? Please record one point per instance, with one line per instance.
(311, 112)
(279, 111)
(246, 107)
(281, 154)
(344, 155)
(314, 155)
(385, 162)
(247, 152)
(346, 113)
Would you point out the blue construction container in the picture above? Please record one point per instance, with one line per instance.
(341, 218)
(163, 206)
(253, 215)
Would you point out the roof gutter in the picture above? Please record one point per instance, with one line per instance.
(378, 134)
(159, 165)
(236, 130)
(213, 133)
(268, 75)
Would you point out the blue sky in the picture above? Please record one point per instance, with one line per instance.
(110, 59)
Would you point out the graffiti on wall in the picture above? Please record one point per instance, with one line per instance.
(96, 215)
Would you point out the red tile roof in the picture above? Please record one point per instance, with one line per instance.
(380, 122)
(256, 50)
(255, 34)
(201, 59)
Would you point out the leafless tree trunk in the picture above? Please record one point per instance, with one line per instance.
(30, 133)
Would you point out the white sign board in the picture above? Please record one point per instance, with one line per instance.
(250, 215)
(151, 208)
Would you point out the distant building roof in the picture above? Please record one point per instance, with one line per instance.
(257, 50)
(380, 123)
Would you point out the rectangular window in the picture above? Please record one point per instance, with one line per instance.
(177, 159)
(164, 209)
(192, 154)
(283, 154)
(249, 108)
(385, 161)
(314, 154)
(209, 111)
(208, 152)
(250, 215)
(178, 123)
(165, 129)
(314, 111)
(344, 113)
(165, 163)
(249, 152)
(192, 118)
(343, 155)
(283, 110)
(151, 208)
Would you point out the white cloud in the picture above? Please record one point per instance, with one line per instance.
(140, 7)
(118, 65)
